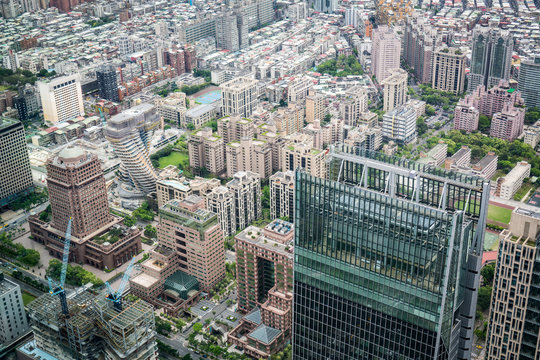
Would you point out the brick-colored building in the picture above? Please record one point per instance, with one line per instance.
(466, 115)
(264, 273)
(77, 190)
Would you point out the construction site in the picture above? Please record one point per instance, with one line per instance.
(94, 328)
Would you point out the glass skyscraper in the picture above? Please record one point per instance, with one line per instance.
(386, 266)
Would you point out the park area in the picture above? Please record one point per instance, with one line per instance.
(174, 158)
(499, 214)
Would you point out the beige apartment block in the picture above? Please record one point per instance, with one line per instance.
(221, 201)
(246, 187)
(508, 186)
(296, 155)
(395, 89)
(282, 195)
(289, 120)
(239, 96)
(449, 70)
(249, 155)
(206, 150)
(315, 107)
(353, 105)
(235, 127)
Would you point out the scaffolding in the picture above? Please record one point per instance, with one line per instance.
(93, 329)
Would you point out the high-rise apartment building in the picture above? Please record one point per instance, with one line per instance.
(466, 115)
(529, 78)
(13, 322)
(234, 128)
(206, 150)
(507, 124)
(493, 100)
(395, 89)
(130, 133)
(282, 195)
(353, 105)
(325, 6)
(264, 273)
(289, 120)
(385, 52)
(77, 190)
(513, 329)
(491, 57)
(400, 125)
(239, 96)
(221, 202)
(302, 154)
(253, 155)
(385, 265)
(232, 31)
(27, 102)
(107, 82)
(196, 237)
(449, 70)
(246, 187)
(15, 173)
(314, 106)
(61, 98)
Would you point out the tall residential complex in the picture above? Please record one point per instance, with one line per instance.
(385, 52)
(529, 78)
(395, 89)
(107, 83)
(493, 100)
(246, 187)
(507, 124)
(289, 120)
(249, 155)
(513, 326)
(239, 96)
(325, 6)
(466, 115)
(77, 190)
(234, 128)
(385, 265)
(222, 202)
(264, 271)
(400, 125)
(282, 195)
(61, 98)
(206, 150)
(130, 133)
(353, 105)
(13, 322)
(314, 106)
(491, 57)
(295, 155)
(15, 173)
(449, 70)
(194, 234)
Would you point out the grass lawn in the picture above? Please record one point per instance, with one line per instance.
(27, 298)
(524, 190)
(500, 214)
(491, 241)
(3, 87)
(174, 158)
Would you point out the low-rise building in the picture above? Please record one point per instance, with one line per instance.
(462, 158)
(532, 135)
(400, 125)
(200, 115)
(435, 156)
(173, 108)
(508, 186)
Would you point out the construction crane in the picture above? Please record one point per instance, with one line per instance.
(102, 117)
(116, 296)
(57, 288)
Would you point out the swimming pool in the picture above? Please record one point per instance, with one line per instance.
(209, 97)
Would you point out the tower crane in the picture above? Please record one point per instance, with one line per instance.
(57, 288)
(116, 296)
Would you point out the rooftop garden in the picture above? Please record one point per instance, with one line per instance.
(110, 237)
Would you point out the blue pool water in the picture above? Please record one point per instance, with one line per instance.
(209, 97)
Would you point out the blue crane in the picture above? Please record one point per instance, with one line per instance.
(116, 296)
(57, 288)
(102, 117)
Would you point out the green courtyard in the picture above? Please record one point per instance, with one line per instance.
(175, 158)
(500, 214)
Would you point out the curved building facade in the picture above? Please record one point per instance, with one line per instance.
(129, 133)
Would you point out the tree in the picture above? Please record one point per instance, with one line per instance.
(430, 111)
(150, 231)
(190, 126)
(488, 273)
(484, 297)
(532, 115)
(421, 126)
(31, 257)
(265, 197)
(197, 327)
(484, 123)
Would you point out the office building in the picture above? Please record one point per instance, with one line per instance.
(449, 70)
(27, 103)
(221, 202)
(462, 158)
(130, 133)
(107, 83)
(507, 124)
(239, 96)
(246, 187)
(466, 115)
(13, 322)
(513, 329)
(315, 107)
(325, 6)
(249, 155)
(302, 154)
(508, 185)
(195, 235)
(385, 52)
(385, 265)
(61, 98)
(491, 57)
(15, 173)
(529, 78)
(264, 275)
(353, 105)
(400, 125)
(77, 190)
(234, 128)
(282, 195)
(206, 150)
(395, 89)
(93, 329)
